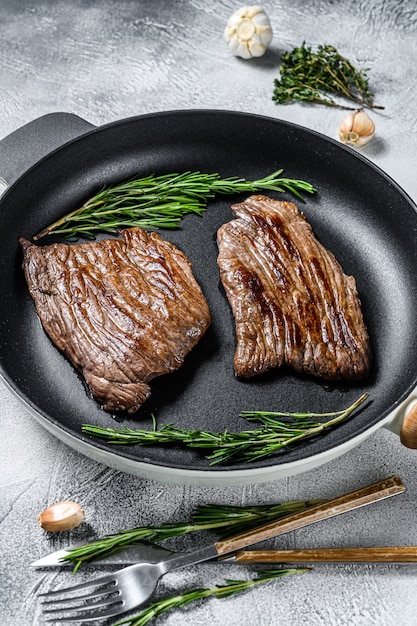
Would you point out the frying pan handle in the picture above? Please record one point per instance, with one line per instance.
(408, 434)
(30, 143)
(404, 423)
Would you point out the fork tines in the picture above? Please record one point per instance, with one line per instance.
(83, 607)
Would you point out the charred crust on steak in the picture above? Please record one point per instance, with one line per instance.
(292, 303)
(123, 311)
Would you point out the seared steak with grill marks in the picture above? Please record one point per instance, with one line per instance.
(292, 303)
(122, 310)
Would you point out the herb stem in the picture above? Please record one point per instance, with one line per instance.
(230, 588)
(161, 201)
(245, 446)
(229, 518)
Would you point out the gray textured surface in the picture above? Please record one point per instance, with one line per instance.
(106, 60)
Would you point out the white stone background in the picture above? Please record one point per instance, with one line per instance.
(106, 60)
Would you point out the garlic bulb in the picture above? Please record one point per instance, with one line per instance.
(356, 129)
(248, 32)
(61, 516)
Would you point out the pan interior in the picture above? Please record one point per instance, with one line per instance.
(358, 213)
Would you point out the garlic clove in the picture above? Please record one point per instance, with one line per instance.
(256, 48)
(252, 11)
(357, 129)
(261, 19)
(233, 22)
(61, 516)
(243, 51)
(265, 33)
(233, 46)
(239, 49)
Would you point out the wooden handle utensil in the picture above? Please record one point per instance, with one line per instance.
(377, 491)
(390, 554)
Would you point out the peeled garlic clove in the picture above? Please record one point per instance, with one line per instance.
(356, 129)
(61, 516)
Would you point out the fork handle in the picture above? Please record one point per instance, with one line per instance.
(372, 493)
(390, 554)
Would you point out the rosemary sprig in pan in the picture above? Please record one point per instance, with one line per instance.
(229, 518)
(230, 588)
(161, 201)
(309, 76)
(278, 430)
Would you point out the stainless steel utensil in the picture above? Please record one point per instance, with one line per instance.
(130, 587)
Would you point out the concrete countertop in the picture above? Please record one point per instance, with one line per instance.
(108, 60)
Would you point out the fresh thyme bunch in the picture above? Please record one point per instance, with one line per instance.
(278, 430)
(310, 76)
(230, 588)
(161, 201)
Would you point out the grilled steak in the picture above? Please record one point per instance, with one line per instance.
(122, 310)
(291, 301)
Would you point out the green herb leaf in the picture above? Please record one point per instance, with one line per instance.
(230, 588)
(244, 446)
(311, 76)
(161, 201)
(231, 519)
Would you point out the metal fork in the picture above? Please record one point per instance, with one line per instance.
(130, 587)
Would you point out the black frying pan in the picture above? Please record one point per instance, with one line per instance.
(359, 213)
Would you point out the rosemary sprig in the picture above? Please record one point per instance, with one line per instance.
(229, 518)
(161, 201)
(230, 588)
(236, 519)
(310, 76)
(278, 430)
